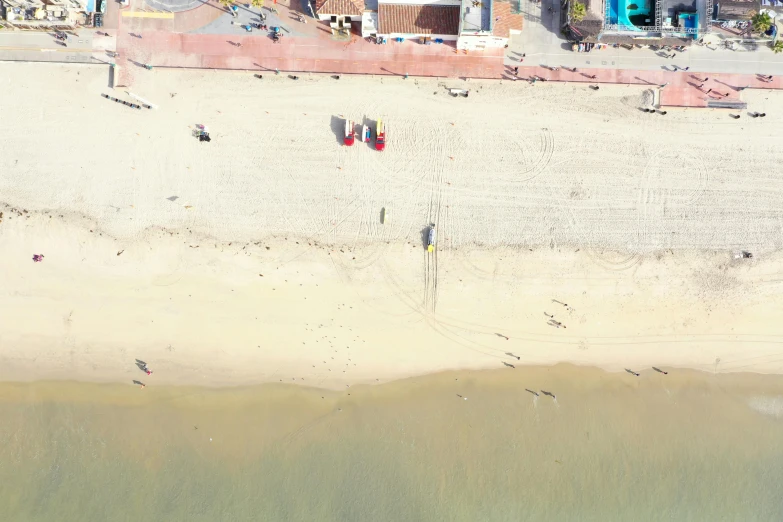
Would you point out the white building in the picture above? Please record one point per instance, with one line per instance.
(340, 13)
(487, 24)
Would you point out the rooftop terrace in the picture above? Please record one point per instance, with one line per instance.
(476, 16)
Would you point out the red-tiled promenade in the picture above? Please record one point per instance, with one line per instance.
(312, 48)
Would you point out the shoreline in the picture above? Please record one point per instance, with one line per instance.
(282, 311)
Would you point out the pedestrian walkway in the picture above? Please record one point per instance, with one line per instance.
(210, 51)
(142, 14)
(677, 89)
(208, 37)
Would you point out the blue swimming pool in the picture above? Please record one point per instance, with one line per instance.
(690, 21)
(619, 12)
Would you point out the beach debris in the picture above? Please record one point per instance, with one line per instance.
(549, 394)
(508, 364)
(503, 336)
(202, 133)
(533, 392)
(660, 371)
(556, 324)
(127, 104)
(37, 258)
(632, 372)
(120, 252)
(512, 355)
(144, 103)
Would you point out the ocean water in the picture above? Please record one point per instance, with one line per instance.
(466, 446)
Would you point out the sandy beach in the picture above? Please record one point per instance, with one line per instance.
(260, 257)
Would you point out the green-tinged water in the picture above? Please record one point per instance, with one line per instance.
(611, 447)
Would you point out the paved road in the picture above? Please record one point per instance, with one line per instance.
(88, 47)
(542, 44)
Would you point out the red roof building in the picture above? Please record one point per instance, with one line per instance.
(327, 8)
(407, 20)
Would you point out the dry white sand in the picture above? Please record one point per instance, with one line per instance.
(535, 190)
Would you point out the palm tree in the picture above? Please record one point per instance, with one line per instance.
(257, 3)
(777, 47)
(578, 11)
(761, 22)
(226, 3)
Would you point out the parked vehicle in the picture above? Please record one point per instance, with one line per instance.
(349, 133)
(380, 136)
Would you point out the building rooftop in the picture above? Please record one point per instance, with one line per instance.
(339, 7)
(505, 20)
(418, 19)
(476, 16)
(737, 9)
